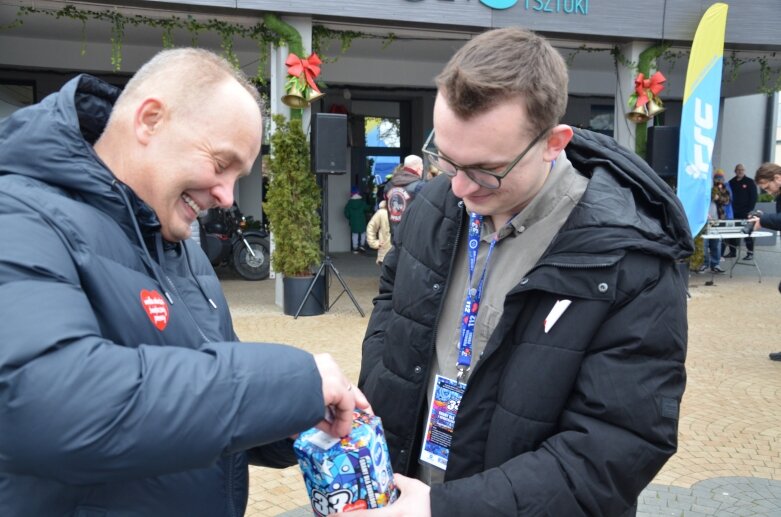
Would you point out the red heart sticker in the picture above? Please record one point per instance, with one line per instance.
(155, 307)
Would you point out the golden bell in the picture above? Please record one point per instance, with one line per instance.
(638, 115)
(295, 99)
(654, 109)
(312, 96)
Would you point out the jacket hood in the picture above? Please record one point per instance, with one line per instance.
(403, 177)
(63, 128)
(624, 196)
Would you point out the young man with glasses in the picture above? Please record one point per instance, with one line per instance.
(526, 349)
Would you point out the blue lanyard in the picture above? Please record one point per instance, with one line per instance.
(473, 297)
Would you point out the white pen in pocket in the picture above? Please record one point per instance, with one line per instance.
(555, 313)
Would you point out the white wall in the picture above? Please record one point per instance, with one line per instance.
(741, 134)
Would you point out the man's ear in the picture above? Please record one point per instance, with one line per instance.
(148, 119)
(557, 140)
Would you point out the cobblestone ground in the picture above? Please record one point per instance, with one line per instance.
(729, 458)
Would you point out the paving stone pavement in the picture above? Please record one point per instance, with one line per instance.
(729, 455)
(717, 496)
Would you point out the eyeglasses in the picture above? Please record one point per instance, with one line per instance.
(483, 177)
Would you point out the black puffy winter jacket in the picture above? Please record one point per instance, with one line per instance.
(572, 422)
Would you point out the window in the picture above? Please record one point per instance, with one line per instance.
(382, 133)
(601, 120)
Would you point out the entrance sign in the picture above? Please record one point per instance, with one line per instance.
(541, 6)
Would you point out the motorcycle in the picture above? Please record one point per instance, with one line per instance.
(226, 241)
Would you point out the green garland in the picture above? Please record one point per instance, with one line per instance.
(286, 33)
(647, 58)
(322, 35)
(272, 31)
(262, 33)
(769, 76)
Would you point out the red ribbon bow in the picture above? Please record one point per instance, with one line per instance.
(643, 86)
(310, 67)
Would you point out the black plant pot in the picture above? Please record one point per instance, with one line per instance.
(294, 289)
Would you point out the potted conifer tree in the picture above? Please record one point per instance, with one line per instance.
(292, 207)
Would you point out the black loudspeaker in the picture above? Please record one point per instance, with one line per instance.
(329, 143)
(662, 150)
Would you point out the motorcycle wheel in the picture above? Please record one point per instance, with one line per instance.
(247, 266)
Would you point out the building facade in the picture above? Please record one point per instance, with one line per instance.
(384, 78)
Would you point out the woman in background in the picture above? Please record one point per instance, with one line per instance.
(378, 232)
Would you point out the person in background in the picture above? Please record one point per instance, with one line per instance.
(402, 188)
(768, 178)
(720, 201)
(526, 348)
(356, 211)
(720, 177)
(123, 387)
(378, 232)
(744, 199)
(721, 197)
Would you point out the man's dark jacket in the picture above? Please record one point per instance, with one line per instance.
(114, 400)
(744, 196)
(575, 421)
(771, 221)
(400, 192)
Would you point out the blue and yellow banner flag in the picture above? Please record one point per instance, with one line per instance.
(700, 116)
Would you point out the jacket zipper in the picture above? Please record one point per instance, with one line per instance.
(228, 459)
(195, 323)
(436, 323)
(452, 260)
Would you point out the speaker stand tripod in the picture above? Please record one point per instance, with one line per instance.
(327, 266)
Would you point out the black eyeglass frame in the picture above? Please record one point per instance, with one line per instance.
(434, 157)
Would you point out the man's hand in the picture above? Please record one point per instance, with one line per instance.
(755, 220)
(414, 501)
(340, 397)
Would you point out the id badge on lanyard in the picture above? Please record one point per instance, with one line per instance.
(447, 394)
(441, 421)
